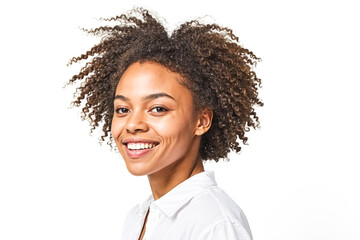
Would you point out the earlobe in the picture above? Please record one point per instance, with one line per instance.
(204, 121)
(199, 132)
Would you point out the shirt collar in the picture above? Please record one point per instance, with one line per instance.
(177, 197)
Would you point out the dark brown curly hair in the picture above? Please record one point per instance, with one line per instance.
(217, 70)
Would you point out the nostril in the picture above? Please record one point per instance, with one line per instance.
(129, 130)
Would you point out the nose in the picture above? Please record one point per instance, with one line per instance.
(136, 122)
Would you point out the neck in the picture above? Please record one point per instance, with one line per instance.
(169, 177)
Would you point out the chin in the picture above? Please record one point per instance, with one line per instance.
(137, 170)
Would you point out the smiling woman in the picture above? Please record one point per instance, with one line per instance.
(154, 126)
(170, 103)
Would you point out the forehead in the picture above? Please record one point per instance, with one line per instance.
(146, 78)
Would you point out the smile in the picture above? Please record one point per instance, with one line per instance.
(140, 146)
(136, 147)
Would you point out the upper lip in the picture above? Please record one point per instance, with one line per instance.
(138, 140)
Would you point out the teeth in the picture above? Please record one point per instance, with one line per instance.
(138, 146)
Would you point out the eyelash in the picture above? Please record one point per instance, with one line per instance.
(122, 110)
(162, 109)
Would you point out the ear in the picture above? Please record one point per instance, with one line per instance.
(204, 121)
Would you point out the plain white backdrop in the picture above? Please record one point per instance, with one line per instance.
(297, 179)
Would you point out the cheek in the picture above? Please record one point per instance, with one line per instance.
(176, 133)
(116, 128)
(172, 126)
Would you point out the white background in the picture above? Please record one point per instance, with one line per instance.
(297, 179)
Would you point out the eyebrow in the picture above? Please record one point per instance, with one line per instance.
(146, 98)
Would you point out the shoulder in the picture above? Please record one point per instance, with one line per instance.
(226, 230)
(215, 203)
(218, 215)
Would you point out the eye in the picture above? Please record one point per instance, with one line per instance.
(158, 110)
(122, 110)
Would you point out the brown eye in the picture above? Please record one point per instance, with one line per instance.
(158, 109)
(122, 110)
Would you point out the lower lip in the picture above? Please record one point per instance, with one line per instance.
(134, 154)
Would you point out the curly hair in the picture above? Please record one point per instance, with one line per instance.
(217, 70)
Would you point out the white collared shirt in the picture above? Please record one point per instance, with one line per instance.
(194, 209)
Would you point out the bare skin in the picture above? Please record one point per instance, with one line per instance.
(164, 180)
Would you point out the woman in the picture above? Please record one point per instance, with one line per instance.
(170, 103)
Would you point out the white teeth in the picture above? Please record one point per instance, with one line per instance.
(137, 146)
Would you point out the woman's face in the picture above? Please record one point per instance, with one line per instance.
(154, 124)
